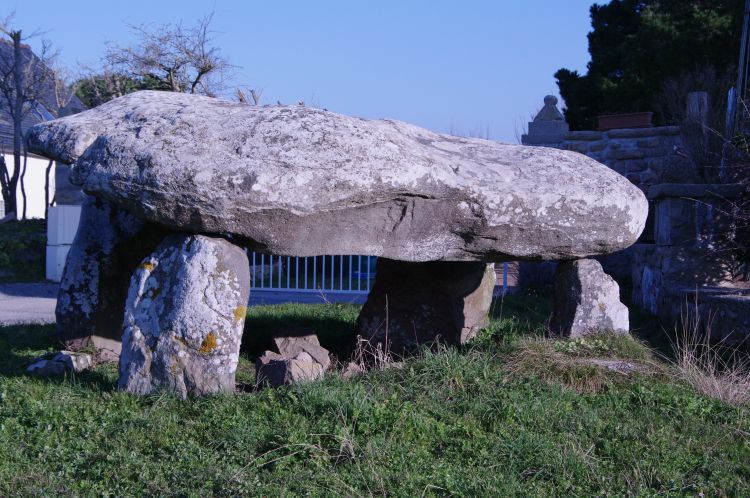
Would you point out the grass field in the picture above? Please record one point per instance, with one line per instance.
(509, 415)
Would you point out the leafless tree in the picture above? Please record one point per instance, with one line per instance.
(254, 95)
(171, 57)
(25, 78)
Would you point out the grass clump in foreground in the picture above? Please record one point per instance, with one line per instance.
(451, 422)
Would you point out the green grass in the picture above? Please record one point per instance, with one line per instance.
(22, 250)
(457, 422)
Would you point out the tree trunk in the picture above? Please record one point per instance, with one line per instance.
(23, 184)
(5, 184)
(17, 119)
(46, 188)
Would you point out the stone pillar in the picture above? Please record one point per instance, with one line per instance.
(587, 301)
(184, 317)
(107, 248)
(549, 126)
(417, 303)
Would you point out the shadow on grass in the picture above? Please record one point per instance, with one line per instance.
(20, 344)
(332, 323)
(529, 313)
(532, 308)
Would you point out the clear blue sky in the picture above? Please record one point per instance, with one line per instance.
(445, 65)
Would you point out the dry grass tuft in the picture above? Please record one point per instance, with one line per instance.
(713, 369)
(370, 356)
(586, 365)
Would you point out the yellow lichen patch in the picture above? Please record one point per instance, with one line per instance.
(147, 266)
(602, 306)
(209, 343)
(240, 312)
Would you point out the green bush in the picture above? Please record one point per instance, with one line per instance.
(22, 250)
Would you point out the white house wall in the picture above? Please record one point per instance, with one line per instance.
(34, 183)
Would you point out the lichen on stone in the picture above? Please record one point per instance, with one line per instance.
(240, 312)
(147, 266)
(208, 344)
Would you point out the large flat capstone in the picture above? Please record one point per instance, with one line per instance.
(304, 181)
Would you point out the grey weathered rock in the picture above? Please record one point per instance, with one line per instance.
(299, 357)
(91, 301)
(47, 368)
(65, 192)
(417, 303)
(304, 181)
(587, 300)
(275, 370)
(289, 346)
(184, 317)
(57, 364)
(352, 369)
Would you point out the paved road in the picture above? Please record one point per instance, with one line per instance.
(27, 303)
(35, 302)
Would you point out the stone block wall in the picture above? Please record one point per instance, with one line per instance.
(645, 156)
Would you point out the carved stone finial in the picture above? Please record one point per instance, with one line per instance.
(548, 127)
(549, 112)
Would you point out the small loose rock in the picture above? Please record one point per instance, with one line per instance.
(60, 363)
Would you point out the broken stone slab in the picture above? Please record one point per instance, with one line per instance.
(276, 370)
(61, 362)
(184, 318)
(289, 346)
(108, 246)
(417, 303)
(301, 181)
(587, 301)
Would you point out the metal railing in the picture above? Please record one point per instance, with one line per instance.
(350, 274)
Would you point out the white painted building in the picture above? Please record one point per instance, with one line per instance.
(34, 182)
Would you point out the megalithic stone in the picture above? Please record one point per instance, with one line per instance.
(108, 246)
(184, 317)
(417, 303)
(299, 181)
(587, 301)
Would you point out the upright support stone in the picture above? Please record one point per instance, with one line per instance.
(108, 246)
(184, 317)
(418, 303)
(587, 300)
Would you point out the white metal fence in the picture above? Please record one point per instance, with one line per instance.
(350, 274)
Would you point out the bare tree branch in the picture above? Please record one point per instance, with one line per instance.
(28, 84)
(172, 57)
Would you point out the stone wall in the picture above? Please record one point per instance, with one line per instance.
(692, 266)
(645, 156)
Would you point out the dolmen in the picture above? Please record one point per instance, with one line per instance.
(180, 186)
